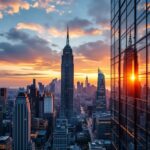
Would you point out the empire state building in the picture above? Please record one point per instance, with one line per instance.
(67, 80)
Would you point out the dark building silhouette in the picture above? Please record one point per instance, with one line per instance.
(22, 122)
(3, 101)
(130, 78)
(34, 101)
(67, 80)
(101, 92)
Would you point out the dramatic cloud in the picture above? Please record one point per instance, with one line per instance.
(99, 10)
(13, 6)
(93, 50)
(76, 30)
(51, 5)
(36, 50)
(31, 26)
(89, 56)
(27, 50)
(79, 23)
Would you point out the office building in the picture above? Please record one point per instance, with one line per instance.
(67, 80)
(102, 125)
(101, 92)
(22, 122)
(34, 101)
(3, 96)
(48, 104)
(130, 88)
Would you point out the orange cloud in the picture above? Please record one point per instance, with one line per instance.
(13, 6)
(55, 32)
(30, 26)
(50, 5)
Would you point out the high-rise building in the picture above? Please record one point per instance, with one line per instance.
(1, 120)
(3, 96)
(34, 101)
(130, 80)
(48, 104)
(67, 80)
(22, 122)
(102, 125)
(3, 100)
(101, 92)
(86, 82)
(41, 89)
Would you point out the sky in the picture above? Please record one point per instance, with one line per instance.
(33, 35)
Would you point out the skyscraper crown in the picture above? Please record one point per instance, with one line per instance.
(67, 49)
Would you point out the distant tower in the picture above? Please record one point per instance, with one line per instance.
(101, 92)
(3, 101)
(67, 80)
(22, 122)
(86, 82)
(34, 99)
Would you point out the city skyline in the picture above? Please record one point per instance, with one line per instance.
(43, 23)
(75, 75)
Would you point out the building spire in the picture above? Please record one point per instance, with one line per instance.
(67, 40)
(99, 70)
(130, 39)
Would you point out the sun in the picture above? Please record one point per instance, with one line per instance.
(133, 77)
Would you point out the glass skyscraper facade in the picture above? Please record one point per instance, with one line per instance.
(130, 74)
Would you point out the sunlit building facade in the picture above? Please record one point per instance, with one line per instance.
(130, 74)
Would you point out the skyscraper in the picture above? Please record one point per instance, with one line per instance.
(22, 122)
(67, 80)
(101, 92)
(86, 82)
(3, 96)
(130, 94)
(3, 100)
(34, 101)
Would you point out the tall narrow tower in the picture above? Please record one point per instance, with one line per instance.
(22, 122)
(101, 92)
(67, 80)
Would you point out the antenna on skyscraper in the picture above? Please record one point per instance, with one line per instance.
(67, 41)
